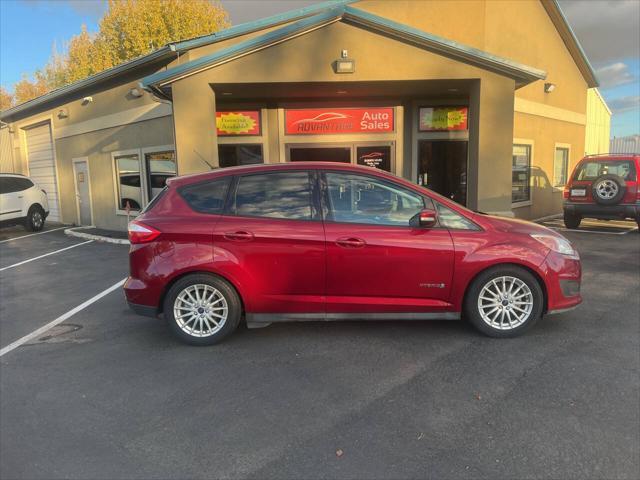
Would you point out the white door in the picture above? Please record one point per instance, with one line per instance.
(81, 174)
(42, 168)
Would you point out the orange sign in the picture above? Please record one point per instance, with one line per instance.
(238, 123)
(438, 119)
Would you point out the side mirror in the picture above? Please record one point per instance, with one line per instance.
(425, 218)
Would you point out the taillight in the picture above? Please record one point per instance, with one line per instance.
(141, 233)
(565, 192)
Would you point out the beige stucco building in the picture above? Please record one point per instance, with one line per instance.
(483, 101)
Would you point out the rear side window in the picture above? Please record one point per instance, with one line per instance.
(274, 195)
(590, 170)
(14, 184)
(23, 184)
(207, 197)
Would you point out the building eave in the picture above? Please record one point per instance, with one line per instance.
(571, 41)
(165, 53)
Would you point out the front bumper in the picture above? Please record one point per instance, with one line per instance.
(563, 277)
(144, 310)
(603, 211)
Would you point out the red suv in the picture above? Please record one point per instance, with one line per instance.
(605, 187)
(325, 241)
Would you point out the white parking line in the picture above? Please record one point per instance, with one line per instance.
(32, 234)
(45, 255)
(60, 319)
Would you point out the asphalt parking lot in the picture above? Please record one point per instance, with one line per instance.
(107, 394)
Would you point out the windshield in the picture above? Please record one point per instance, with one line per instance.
(591, 170)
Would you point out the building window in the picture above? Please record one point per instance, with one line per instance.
(160, 166)
(560, 166)
(231, 155)
(141, 174)
(129, 181)
(521, 172)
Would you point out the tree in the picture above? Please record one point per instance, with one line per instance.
(128, 29)
(6, 99)
(26, 89)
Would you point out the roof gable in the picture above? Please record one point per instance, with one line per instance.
(523, 74)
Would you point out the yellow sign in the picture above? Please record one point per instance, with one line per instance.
(443, 118)
(238, 123)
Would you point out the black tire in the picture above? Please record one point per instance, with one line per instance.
(234, 308)
(572, 220)
(607, 183)
(35, 219)
(472, 311)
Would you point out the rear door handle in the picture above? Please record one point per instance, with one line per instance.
(239, 236)
(350, 242)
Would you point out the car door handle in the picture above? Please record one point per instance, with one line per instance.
(350, 242)
(240, 236)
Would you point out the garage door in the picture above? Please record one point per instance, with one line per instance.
(42, 168)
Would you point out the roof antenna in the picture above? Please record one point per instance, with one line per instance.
(202, 158)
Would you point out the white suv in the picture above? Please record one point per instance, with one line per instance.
(22, 202)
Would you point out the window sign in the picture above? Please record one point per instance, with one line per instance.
(238, 123)
(338, 120)
(442, 119)
(376, 157)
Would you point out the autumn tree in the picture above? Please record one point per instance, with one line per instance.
(6, 99)
(128, 29)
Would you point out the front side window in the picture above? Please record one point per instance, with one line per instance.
(362, 199)
(560, 167)
(590, 170)
(129, 181)
(286, 195)
(160, 166)
(231, 155)
(520, 174)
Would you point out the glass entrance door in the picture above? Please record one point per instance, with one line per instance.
(442, 167)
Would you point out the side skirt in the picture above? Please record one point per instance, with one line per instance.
(259, 320)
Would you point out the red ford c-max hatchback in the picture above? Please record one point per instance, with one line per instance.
(326, 241)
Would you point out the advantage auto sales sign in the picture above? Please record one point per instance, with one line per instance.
(331, 121)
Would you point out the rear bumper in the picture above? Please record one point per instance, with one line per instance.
(144, 310)
(603, 211)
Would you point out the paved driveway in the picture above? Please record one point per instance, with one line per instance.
(106, 394)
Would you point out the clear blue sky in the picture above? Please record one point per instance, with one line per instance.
(608, 30)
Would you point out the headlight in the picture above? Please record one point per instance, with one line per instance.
(557, 244)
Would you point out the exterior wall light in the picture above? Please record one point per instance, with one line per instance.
(136, 93)
(62, 113)
(549, 87)
(344, 65)
(87, 100)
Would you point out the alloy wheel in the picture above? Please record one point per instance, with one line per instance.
(200, 310)
(505, 303)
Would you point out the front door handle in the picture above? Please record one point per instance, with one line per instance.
(239, 236)
(350, 242)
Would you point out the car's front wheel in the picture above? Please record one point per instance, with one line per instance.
(35, 219)
(504, 301)
(202, 309)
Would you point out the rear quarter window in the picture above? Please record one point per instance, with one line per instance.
(206, 197)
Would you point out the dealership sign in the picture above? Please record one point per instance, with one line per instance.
(238, 123)
(338, 120)
(438, 119)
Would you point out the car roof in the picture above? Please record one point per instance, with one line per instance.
(271, 167)
(602, 157)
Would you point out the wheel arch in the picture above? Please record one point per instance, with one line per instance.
(528, 268)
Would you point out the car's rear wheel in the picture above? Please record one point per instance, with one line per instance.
(572, 220)
(202, 309)
(504, 301)
(35, 219)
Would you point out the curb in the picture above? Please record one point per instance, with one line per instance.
(72, 232)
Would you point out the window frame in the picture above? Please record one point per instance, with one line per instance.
(316, 214)
(530, 144)
(326, 203)
(566, 147)
(144, 183)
